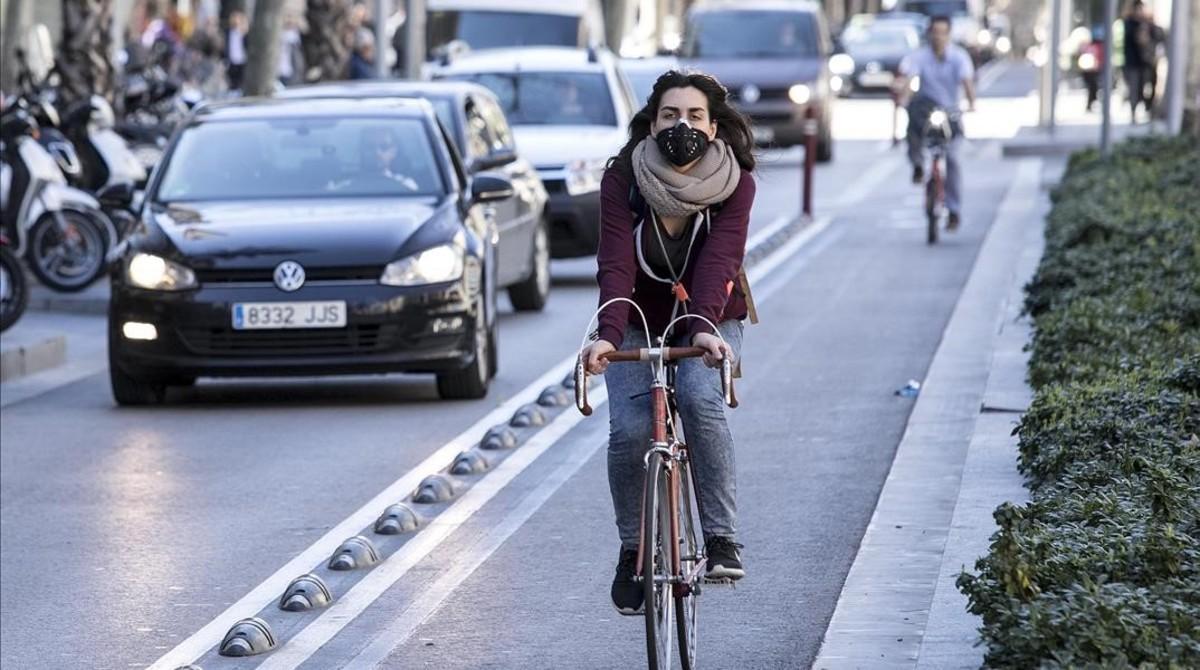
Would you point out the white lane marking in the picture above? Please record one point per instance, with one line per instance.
(345, 609)
(368, 589)
(866, 183)
(270, 588)
(401, 629)
(990, 73)
(775, 226)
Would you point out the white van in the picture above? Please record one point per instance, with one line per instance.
(490, 24)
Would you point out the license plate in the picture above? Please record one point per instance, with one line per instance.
(279, 315)
(763, 133)
(875, 79)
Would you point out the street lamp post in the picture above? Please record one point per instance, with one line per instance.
(1106, 77)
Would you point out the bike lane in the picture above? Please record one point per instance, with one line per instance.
(846, 321)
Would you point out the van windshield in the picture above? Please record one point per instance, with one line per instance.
(937, 7)
(751, 34)
(491, 30)
(549, 98)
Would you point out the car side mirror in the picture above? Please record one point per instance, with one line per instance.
(490, 187)
(497, 158)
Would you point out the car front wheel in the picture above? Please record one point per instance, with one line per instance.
(471, 382)
(531, 294)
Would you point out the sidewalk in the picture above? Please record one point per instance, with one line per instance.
(80, 351)
(899, 607)
(1076, 128)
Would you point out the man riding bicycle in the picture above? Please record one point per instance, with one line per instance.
(940, 69)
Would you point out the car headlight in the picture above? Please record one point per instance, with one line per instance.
(799, 94)
(583, 176)
(432, 266)
(156, 273)
(841, 64)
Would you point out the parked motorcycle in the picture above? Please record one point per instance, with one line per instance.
(14, 289)
(56, 227)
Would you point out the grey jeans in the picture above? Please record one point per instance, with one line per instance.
(702, 410)
(918, 114)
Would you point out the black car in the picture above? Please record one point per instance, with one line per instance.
(870, 54)
(771, 55)
(473, 118)
(308, 237)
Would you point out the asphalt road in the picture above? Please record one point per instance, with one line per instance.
(124, 532)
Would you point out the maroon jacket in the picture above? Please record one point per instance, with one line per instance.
(711, 274)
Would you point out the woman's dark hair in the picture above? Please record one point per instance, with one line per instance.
(732, 125)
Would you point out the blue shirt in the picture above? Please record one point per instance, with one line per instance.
(941, 78)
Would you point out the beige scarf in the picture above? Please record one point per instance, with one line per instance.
(670, 193)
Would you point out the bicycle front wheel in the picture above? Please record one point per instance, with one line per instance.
(933, 210)
(689, 556)
(656, 565)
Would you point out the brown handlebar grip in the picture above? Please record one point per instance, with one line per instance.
(727, 382)
(624, 356)
(677, 353)
(581, 402)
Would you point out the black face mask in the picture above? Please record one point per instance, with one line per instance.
(682, 144)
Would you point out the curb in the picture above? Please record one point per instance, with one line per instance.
(92, 301)
(22, 360)
(883, 613)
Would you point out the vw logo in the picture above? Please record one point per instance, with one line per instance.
(873, 67)
(289, 276)
(750, 93)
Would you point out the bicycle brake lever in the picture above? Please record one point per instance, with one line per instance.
(727, 382)
(581, 402)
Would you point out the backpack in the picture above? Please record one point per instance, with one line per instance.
(640, 209)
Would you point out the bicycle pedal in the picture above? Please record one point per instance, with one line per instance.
(723, 581)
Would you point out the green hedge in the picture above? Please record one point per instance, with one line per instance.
(1102, 567)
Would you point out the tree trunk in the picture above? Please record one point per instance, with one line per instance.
(262, 48)
(85, 54)
(16, 17)
(328, 40)
(1191, 85)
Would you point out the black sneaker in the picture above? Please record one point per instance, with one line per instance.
(627, 595)
(952, 222)
(918, 174)
(724, 560)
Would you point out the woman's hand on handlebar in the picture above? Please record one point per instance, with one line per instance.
(715, 347)
(592, 356)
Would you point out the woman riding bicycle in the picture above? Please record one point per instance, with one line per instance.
(674, 210)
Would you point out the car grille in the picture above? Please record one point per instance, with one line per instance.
(354, 339)
(555, 185)
(266, 275)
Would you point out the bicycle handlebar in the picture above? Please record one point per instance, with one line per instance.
(640, 355)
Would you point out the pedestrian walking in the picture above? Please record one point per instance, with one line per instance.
(235, 49)
(362, 61)
(291, 59)
(1139, 48)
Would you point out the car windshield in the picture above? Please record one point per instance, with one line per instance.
(301, 158)
(937, 7)
(490, 30)
(751, 34)
(642, 81)
(550, 98)
(894, 38)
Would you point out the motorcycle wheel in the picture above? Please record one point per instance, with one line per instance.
(66, 250)
(14, 289)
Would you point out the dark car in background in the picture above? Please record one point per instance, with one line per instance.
(308, 237)
(869, 55)
(773, 56)
(477, 126)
